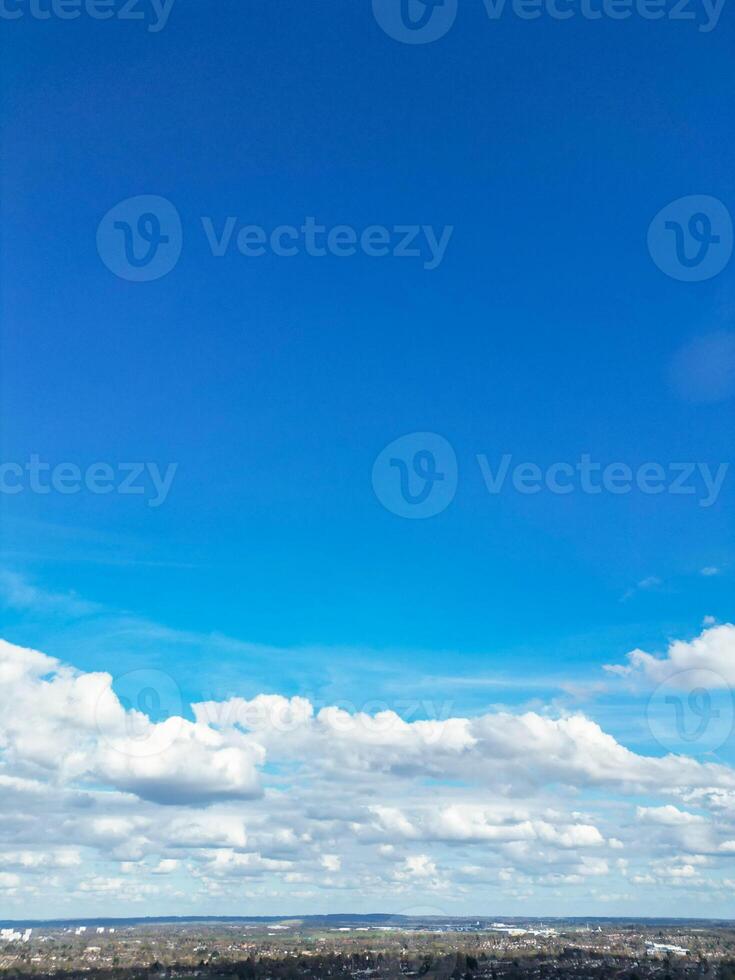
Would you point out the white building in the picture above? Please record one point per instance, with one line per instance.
(661, 948)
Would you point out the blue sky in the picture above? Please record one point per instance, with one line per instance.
(546, 332)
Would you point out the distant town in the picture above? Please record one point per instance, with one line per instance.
(379, 946)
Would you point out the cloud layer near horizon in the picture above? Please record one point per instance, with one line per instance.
(269, 797)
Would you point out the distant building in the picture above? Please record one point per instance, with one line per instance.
(662, 948)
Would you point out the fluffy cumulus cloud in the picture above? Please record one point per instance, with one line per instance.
(61, 723)
(711, 655)
(512, 753)
(274, 802)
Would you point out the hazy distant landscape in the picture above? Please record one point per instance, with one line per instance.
(379, 946)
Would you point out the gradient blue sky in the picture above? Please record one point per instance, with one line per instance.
(547, 332)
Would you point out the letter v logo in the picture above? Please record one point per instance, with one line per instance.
(415, 21)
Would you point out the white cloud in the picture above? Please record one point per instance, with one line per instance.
(513, 753)
(165, 867)
(58, 720)
(19, 594)
(229, 863)
(273, 792)
(417, 866)
(331, 862)
(207, 829)
(471, 823)
(712, 651)
(41, 860)
(667, 816)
